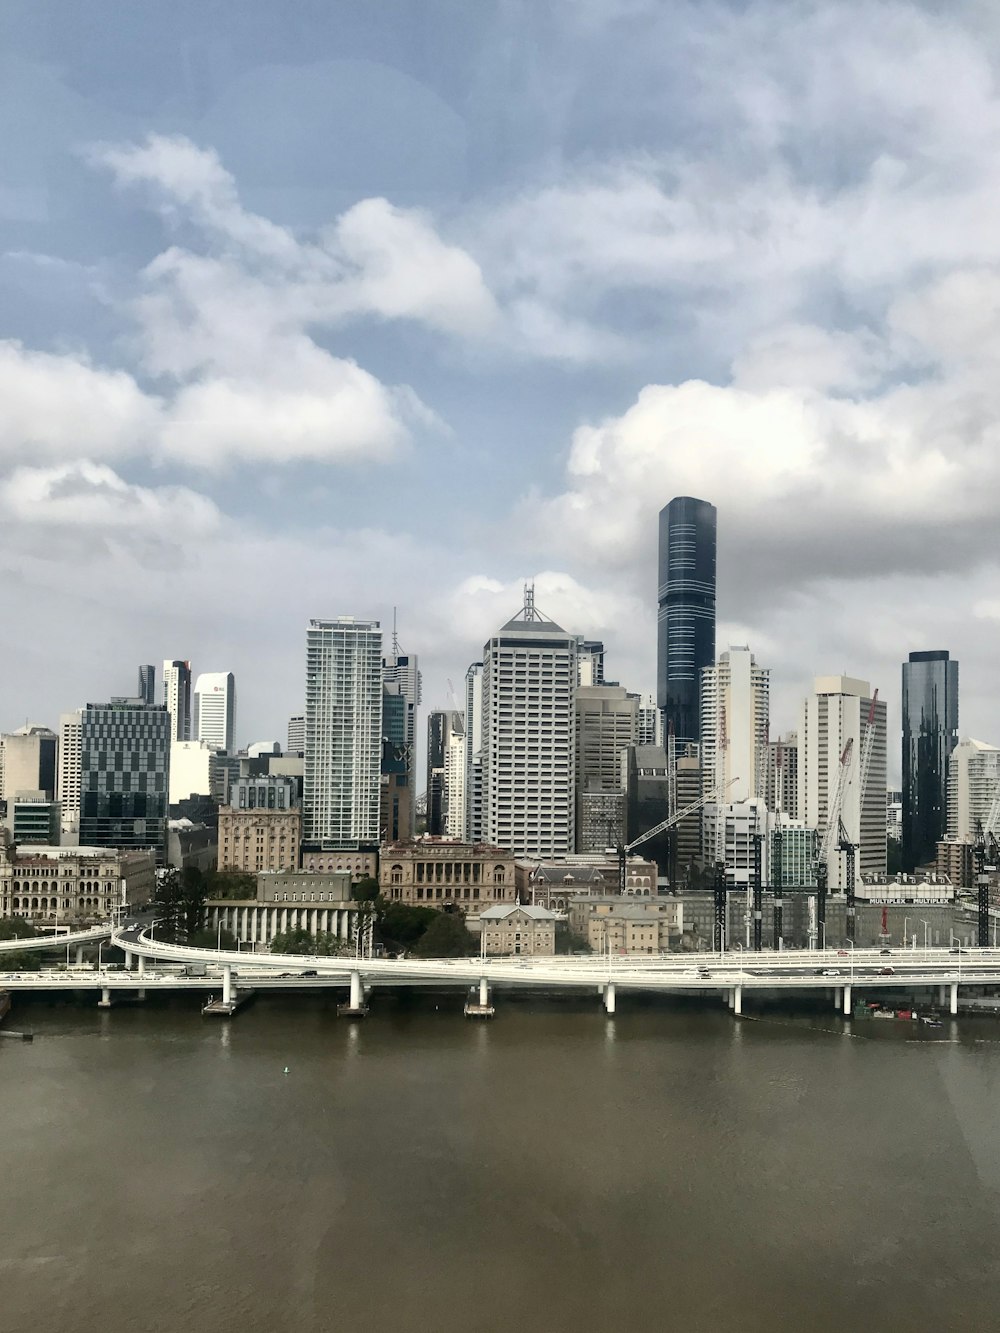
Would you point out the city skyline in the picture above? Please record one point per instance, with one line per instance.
(669, 285)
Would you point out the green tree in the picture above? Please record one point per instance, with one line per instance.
(321, 945)
(446, 937)
(365, 890)
(398, 926)
(237, 884)
(168, 904)
(16, 928)
(192, 900)
(21, 962)
(205, 938)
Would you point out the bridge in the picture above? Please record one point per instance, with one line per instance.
(74, 939)
(173, 967)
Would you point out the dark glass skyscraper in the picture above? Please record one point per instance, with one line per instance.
(125, 775)
(686, 619)
(930, 733)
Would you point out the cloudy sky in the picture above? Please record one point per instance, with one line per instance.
(322, 307)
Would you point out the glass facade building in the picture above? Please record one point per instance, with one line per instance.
(125, 775)
(930, 733)
(686, 611)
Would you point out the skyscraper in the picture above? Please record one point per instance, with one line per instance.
(606, 725)
(836, 712)
(177, 697)
(343, 732)
(147, 684)
(735, 714)
(930, 733)
(296, 735)
(973, 777)
(473, 830)
(686, 614)
(401, 671)
(215, 709)
(68, 775)
(529, 755)
(125, 775)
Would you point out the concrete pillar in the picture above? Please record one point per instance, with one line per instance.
(837, 998)
(738, 1001)
(142, 965)
(847, 1000)
(79, 955)
(730, 999)
(953, 1001)
(356, 993)
(484, 991)
(942, 994)
(105, 1002)
(227, 984)
(128, 960)
(609, 997)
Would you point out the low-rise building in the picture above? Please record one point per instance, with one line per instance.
(439, 872)
(315, 902)
(361, 862)
(74, 885)
(627, 925)
(191, 844)
(261, 827)
(33, 817)
(518, 929)
(551, 884)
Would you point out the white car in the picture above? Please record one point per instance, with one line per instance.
(830, 972)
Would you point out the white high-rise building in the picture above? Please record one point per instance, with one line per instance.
(973, 778)
(68, 777)
(735, 716)
(474, 753)
(177, 697)
(649, 721)
(296, 735)
(454, 782)
(835, 713)
(343, 732)
(192, 770)
(781, 790)
(529, 750)
(215, 710)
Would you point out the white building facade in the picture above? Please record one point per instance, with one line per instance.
(735, 717)
(973, 781)
(215, 710)
(343, 741)
(68, 776)
(529, 741)
(837, 712)
(177, 697)
(473, 831)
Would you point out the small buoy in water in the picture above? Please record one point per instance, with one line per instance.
(286, 1069)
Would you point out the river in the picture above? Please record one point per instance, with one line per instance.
(672, 1168)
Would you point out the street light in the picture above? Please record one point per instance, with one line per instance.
(906, 928)
(850, 945)
(927, 930)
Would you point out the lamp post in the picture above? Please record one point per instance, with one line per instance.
(850, 945)
(906, 927)
(927, 930)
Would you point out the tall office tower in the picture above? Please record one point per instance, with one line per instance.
(402, 670)
(177, 697)
(296, 736)
(606, 725)
(649, 729)
(395, 819)
(68, 775)
(973, 780)
(454, 780)
(836, 712)
(930, 733)
(125, 775)
(215, 710)
(686, 614)
(781, 788)
(647, 796)
(735, 716)
(29, 761)
(147, 684)
(443, 726)
(529, 755)
(590, 662)
(474, 753)
(343, 733)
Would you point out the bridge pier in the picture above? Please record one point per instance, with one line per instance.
(737, 1000)
(227, 983)
(609, 997)
(847, 1001)
(79, 955)
(355, 1007)
(142, 965)
(484, 992)
(128, 960)
(953, 999)
(105, 1001)
(942, 995)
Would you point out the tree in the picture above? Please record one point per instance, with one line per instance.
(323, 944)
(238, 884)
(366, 890)
(446, 937)
(21, 962)
(16, 928)
(192, 900)
(398, 926)
(212, 939)
(168, 903)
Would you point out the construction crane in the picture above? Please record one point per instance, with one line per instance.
(985, 849)
(668, 823)
(844, 844)
(831, 837)
(777, 865)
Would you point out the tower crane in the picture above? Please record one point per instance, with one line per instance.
(844, 844)
(831, 836)
(986, 842)
(668, 823)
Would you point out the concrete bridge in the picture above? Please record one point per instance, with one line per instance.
(72, 939)
(161, 966)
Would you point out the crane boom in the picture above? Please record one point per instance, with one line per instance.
(668, 823)
(836, 805)
(867, 746)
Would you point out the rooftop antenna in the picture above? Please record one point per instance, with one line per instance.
(395, 638)
(529, 611)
